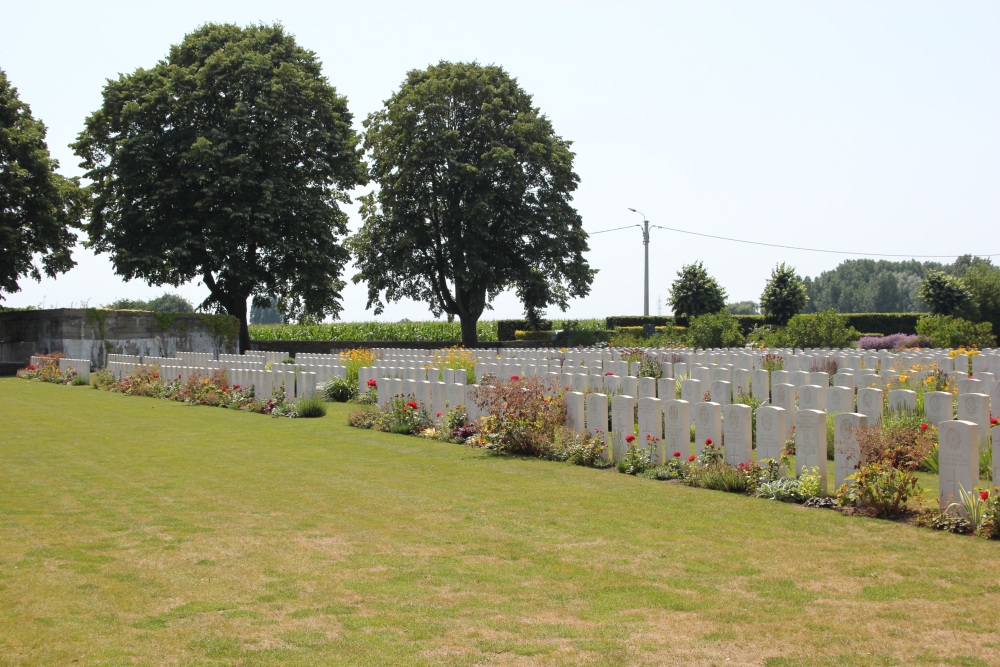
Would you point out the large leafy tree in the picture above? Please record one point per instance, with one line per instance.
(228, 162)
(947, 295)
(474, 198)
(784, 295)
(695, 292)
(38, 207)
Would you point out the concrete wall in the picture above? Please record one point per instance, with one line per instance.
(91, 333)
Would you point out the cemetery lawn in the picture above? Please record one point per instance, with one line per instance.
(142, 532)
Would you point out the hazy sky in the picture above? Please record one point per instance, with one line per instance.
(851, 126)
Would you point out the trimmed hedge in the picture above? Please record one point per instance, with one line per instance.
(507, 329)
(885, 323)
(746, 322)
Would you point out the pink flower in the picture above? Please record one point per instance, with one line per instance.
(691, 458)
(983, 495)
(676, 454)
(630, 439)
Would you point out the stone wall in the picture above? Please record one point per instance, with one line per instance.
(93, 333)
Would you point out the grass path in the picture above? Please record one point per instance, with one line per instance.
(141, 532)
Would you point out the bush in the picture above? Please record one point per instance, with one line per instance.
(825, 329)
(879, 488)
(340, 390)
(520, 419)
(948, 331)
(310, 408)
(716, 330)
(363, 418)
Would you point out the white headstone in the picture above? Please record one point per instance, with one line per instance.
(575, 419)
(676, 427)
(597, 419)
(760, 385)
(846, 450)
(651, 428)
(870, 404)
(772, 432)
(976, 408)
(840, 399)
(622, 424)
(738, 436)
(707, 425)
(958, 460)
(903, 400)
(939, 406)
(812, 397)
(810, 443)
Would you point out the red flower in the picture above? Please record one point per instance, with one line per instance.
(372, 383)
(412, 405)
(708, 441)
(609, 373)
(923, 427)
(691, 458)
(235, 386)
(514, 377)
(31, 367)
(676, 454)
(983, 495)
(649, 437)
(439, 414)
(994, 421)
(630, 439)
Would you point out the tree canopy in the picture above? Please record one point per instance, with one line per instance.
(165, 303)
(227, 162)
(695, 292)
(947, 295)
(784, 295)
(38, 207)
(474, 198)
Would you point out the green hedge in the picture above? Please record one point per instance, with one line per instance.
(885, 324)
(746, 322)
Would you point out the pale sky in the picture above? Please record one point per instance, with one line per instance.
(852, 126)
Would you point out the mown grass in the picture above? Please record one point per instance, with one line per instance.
(141, 532)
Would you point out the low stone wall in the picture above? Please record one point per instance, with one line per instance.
(92, 333)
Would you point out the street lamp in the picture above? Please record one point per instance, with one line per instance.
(645, 243)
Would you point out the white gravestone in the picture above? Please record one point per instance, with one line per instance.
(707, 425)
(846, 450)
(903, 400)
(783, 396)
(840, 399)
(722, 392)
(575, 420)
(939, 407)
(647, 387)
(760, 385)
(738, 436)
(958, 459)
(870, 404)
(676, 427)
(810, 443)
(812, 397)
(976, 408)
(691, 392)
(666, 389)
(622, 424)
(612, 385)
(651, 428)
(597, 420)
(439, 398)
(772, 432)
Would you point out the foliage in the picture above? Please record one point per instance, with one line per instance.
(457, 358)
(825, 329)
(265, 313)
(635, 461)
(948, 331)
(695, 293)
(788, 489)
(581, 449)
(339, 390)
(714, 330)
(880, 488)
(866, 285)
(983, 282)
(474, 198)
(404, 416)
(649, 367)
(47, 370)
(743, 308)
(165, 303)
(430, 332)
(363, 418)
(355, 359)
(783, 296)
(772, 362)
(946, 295)
(310, 408)
(38, 207)
(896, 341)
(183, 189)
(990, 528)
(521, 418)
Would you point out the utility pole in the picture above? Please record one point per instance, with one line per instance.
(645, 244)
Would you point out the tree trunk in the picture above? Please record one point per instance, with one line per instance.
(238, 309)
(469, 335)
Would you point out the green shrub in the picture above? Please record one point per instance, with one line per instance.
(340, 390)
(363, 418)
(948, 331)
(79, 381)
(824, 329)
(879, 488)
(310, 408)
(521, 418)
(715, 330)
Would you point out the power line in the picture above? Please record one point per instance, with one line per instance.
(791, 247)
